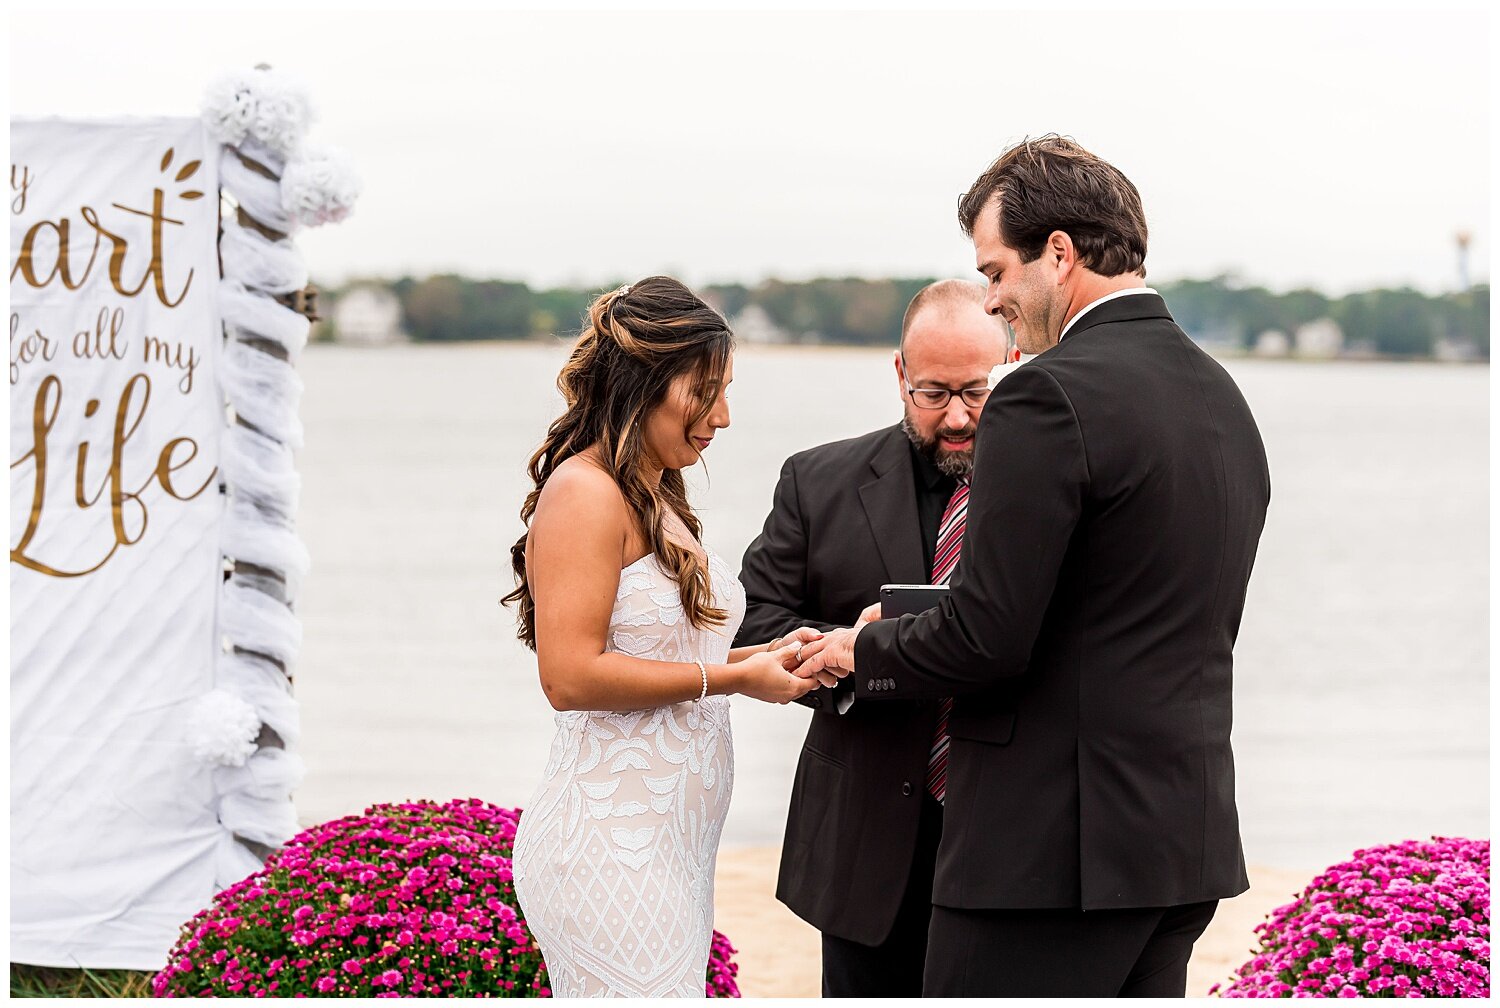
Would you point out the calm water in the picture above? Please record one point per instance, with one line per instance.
(1362, 687)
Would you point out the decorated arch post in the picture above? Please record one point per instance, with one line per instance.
(158, 307)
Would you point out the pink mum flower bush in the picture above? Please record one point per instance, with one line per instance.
(722, 969)
(411, 899)
(1404, 920)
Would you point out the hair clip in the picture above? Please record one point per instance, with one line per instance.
(622, 291)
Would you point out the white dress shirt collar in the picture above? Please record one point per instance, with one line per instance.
(1095, 304)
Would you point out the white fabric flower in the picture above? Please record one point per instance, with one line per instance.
(1002, 371)
(222, 729)
(270, 106)
(229, 107)
(319, 186)
(283, 112)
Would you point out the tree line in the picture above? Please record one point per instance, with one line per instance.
(1400, 322)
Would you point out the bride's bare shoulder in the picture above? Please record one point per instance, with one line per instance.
(580, 512)
(579, 485)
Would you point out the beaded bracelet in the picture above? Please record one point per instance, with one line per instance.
(704, 671)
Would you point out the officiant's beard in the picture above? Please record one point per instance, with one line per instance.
(958, 464)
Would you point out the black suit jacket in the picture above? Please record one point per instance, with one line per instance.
(1119, 492)
(844, 521)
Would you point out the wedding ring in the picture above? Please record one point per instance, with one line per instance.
(799, 654)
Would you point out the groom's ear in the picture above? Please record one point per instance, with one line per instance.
(1061, 255)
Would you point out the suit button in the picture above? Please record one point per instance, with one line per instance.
(906, 787)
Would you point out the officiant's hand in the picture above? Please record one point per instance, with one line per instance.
(831, 658)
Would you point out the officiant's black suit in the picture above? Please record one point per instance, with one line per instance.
(846, 518)
(1120, 488)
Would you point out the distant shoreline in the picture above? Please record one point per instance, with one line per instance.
(1386, 323)
(1215, 351)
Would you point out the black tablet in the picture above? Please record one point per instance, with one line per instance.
(900, 599)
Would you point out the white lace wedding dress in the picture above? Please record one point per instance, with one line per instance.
(614, 857)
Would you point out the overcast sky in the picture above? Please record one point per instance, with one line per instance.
(1340, 150)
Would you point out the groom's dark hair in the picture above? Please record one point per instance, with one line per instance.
(1052, 184)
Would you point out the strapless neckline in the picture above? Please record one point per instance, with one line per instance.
(708, 554)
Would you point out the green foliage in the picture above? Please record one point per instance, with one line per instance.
(846, 310)
(1465, 317)
(1399, 322)
(730, 299)
(434, 310)
(560, 311)
(1218, 311)
(47, 981)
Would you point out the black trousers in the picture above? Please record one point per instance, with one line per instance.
(1063, 953)
(894, 967)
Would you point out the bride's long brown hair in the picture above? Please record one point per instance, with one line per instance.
(637, 341)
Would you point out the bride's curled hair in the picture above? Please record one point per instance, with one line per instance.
(638, 339)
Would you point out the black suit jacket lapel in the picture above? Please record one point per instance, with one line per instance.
(890, 502)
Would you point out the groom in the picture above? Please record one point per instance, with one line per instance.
(1120, 487)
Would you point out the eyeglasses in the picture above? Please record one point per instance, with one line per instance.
(938, 398)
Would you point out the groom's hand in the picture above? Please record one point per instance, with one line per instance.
(830, 659)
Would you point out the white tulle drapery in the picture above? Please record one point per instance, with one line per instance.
(275, 182)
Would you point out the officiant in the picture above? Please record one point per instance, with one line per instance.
(885, 507)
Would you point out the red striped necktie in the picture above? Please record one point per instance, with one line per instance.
(944, 563)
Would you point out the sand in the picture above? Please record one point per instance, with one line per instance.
(778, 953)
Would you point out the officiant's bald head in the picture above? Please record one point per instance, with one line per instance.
(946, 298)
(949, 346)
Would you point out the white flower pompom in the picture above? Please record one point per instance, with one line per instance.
(283, 112)
(268, 105)
(229, 107)
(223, 729)
(319, 186)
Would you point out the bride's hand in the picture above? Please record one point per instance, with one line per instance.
(807, 635)
(801, 635)
(767, 676)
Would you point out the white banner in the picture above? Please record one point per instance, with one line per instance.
(115, 556)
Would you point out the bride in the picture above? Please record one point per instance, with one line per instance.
(631, 619)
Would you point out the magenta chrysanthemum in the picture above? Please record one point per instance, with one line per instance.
(404, 900)
(1403, 920)
(722, 969)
